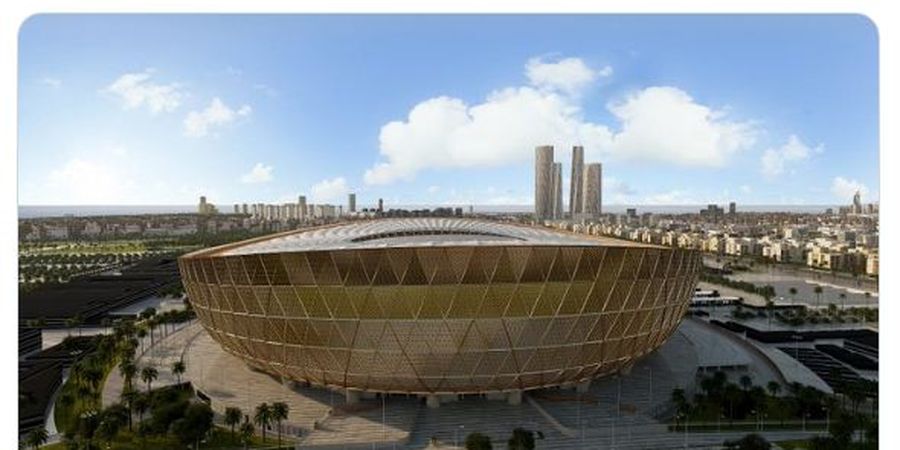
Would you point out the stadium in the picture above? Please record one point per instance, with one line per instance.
(439, 305)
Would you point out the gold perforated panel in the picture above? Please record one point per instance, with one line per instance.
(443, 319)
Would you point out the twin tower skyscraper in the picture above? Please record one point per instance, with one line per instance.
(585, 198)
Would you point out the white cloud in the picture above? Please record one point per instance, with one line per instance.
(664, 124)
(86, 182)
(260, 173)
(569, 75)
(136, 90)
(433, 189)
(775, 160)
(657, 124)
(333, 190)
(198, 123)
(54, 83)
(844, 189)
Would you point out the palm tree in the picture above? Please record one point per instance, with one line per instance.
(233, 417)
(141, 334)
(793, 292)
(141, 404)
(774, 388)
(37, 437)
(128, 370)
(148, 375)
(247, 434)
(818, 291)
(129, 395)
(280, 412)
(843, 297)
(178, 369)
(263, 418)
(746, 382)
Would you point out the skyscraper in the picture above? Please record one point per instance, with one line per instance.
(380, 205)
(201, 208)
(593, 184)
(557, 191)
(301, 205)
(351, 202)
(543, 182)
(576, 188)
(857, 203)
(732, 208)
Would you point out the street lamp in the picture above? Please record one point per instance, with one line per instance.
(456, 435)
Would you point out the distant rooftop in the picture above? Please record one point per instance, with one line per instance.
(419, 232)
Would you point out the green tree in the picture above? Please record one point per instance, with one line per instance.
(263, 418)
(233, 417)
(36, 437)
(178, 369)
(197, 421)
(280, 412)
(521, 439)
(773, 387)
(748, 442)
(793, 292)
(247, 434)
(746, 382)
(818, 291)
(148, 375)
(478, 441)
(128, 370)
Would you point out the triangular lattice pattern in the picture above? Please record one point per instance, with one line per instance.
(443, 319)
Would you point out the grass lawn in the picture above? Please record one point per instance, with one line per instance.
(221, 439)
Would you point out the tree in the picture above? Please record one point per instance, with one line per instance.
(280, 412)
(128, 370)
(478, 441)
(749, 442)
(818, 291)
(197, 421)
(793, 292)
(178, 369)
(141, 334)
(746, 382)
(148, 375)
(773, 388)
(247, 434)
(233, 417)
(263, 417)
(521, 439)
(36, 437)
(843, 297)
(141, 403)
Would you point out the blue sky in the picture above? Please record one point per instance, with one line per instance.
(158, 109)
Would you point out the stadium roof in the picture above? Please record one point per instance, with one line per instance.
(417, 232)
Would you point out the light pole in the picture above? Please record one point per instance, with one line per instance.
(382, 416)
(456, 435)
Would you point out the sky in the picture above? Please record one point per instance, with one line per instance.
(445, 110)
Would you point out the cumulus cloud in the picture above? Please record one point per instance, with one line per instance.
(199, 123)
(664, 124)
(657, 124)
(569, 75)
(333, 190)
(844, 189)
(136, 90)
(260, 173)
(775, 160)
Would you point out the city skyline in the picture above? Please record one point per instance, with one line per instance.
(270, 109)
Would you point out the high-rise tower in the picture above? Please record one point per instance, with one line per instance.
(301, 207)
(576, 192)
(351, 202)
(543, 182)
(593, 201)
(557, 191)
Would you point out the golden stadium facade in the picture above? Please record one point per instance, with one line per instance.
(439, 305)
